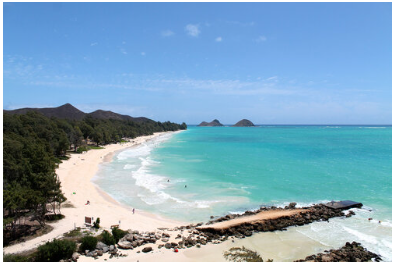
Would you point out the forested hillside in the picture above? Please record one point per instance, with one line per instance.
(34, 144)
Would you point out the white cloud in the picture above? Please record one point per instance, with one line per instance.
(273, 78)
(94, 44)
(167, 33)
(192, 30)
(261, 39)
(218, 39)
(122, 50)
(143, 53)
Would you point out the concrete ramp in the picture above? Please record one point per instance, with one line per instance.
(346, 204)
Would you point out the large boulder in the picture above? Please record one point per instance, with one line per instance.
(125, 245)
(100, 245)
(147, 249)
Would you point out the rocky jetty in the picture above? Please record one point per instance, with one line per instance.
(244, 123)
(317, 212)
(214, 123)
(351, 252)
(197, 235)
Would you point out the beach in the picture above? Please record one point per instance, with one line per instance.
(75, 175)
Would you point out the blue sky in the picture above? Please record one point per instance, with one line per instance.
(272, 63)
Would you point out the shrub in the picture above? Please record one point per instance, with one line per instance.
(56, 250)
(96, 223)
(88, 242)
(81, 149)
(107, 238)
(15, 258)
(118, 234)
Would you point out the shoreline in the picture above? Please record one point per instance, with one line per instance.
(76, 175)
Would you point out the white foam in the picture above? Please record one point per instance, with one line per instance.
(372, 127)
(129, 166)
(364, 237)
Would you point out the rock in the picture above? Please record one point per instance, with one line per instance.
(292, 205)
(100, 245)
(125, 245)
(75, 256)
(111, 247)
(168, 245)
(147, 249)
(105, 249)
(351, 252)
(326, 258)
(164, 240)
(129, 237)
(99, 252)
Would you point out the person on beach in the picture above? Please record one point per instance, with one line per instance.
(133, 211)
(185, 186)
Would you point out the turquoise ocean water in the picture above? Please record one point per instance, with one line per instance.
(230, 170)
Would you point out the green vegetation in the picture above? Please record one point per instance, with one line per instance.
(107, 238)
(118, 234)
(16, 258)
(242, 254)
(55, 251)
(34, 145)
(74, 233)
(88, 243)
(96, 223)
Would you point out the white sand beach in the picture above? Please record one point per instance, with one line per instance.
(75, 175)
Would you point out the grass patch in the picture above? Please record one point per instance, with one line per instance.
(91, 147)
(74, 233)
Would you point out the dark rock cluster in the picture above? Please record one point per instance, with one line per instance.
(351, 252)
(135, 239)
(101, 248)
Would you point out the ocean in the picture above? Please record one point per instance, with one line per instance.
(213, 171)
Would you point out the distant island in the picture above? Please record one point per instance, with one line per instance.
(214, 123)
(244, 123)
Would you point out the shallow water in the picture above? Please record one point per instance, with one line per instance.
(230, 170)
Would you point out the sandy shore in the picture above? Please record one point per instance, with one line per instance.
(75, 175)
